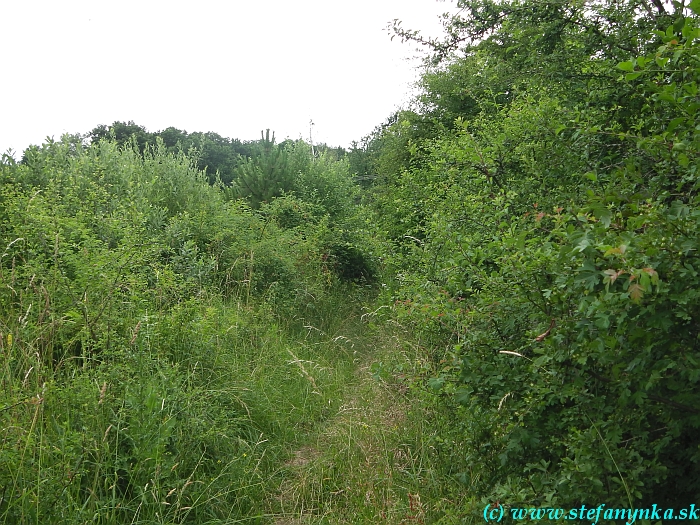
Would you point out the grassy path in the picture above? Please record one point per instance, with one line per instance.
(363, 463)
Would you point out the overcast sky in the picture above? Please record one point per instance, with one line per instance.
(233, 67)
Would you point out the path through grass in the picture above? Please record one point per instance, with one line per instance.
(364, 464)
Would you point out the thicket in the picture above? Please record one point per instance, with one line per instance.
(540, 205)
(162, 345)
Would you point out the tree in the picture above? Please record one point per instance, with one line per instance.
(603, 29)
(265, 175)
(122, 133)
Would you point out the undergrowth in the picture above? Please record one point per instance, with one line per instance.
(164, 349)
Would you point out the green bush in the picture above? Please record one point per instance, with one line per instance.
(549, 269)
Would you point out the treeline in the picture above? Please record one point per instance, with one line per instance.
(541, 213)
(213, 154)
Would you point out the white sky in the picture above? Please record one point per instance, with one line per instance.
(233, 67)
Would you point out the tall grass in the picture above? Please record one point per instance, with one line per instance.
(163, 350)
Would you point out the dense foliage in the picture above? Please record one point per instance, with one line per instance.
(533, 219)
(219, 157)
(148, 322)
(543, 221)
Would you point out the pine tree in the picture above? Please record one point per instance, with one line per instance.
(265, 176)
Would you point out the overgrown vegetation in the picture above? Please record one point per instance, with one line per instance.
(182, 344)
(541, 207)
(162, 346)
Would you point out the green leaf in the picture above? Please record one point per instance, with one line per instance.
(626, 66)
(661, 61)
(680, 146)
(436, 383)
(675, 123)
(632, 76)
(603, 214)
(679, 24)
(463, 395)
(692, 108)
(619, 250)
